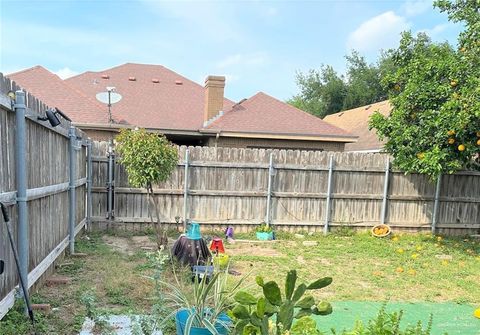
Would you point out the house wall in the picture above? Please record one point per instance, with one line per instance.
(236, 142)
(100, 135)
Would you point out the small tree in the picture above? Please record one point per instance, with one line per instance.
(434, 126)
(148, 159)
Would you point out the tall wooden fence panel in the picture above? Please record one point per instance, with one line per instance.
(230, 186)
(48, 181)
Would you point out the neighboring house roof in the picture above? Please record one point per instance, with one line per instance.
(356, 122)
(263, 114)
(155, 97)
(174, 102)
(55, 92)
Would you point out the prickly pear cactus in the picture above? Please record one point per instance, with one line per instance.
(252, 315)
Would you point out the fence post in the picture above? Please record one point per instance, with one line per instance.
(385, 191)
(185, 192)
(72, 196)
(21, 177)
(329, 196)
(111, 183)
(268, 214)
(436, 203)
(89, 183)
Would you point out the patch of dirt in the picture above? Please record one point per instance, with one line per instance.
(301, 260)
(252, 249)
(324, 261)
(129, 246)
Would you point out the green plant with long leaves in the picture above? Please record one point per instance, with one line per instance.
(254, 315)
(206, 302)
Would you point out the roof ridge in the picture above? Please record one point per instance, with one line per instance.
(26, 70)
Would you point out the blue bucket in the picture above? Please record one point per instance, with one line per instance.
(181, 319)
(193, 231)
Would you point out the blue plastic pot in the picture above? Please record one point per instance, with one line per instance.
(181, 319)
(264, 236)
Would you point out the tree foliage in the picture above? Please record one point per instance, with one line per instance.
(324, 91)
(148, 159)
(321, 92)
(434, 125)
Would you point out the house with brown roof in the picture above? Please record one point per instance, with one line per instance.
(160, 100)
(355, 121)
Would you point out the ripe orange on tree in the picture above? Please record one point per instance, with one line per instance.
(461, 147)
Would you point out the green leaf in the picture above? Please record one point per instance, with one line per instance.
(299, 292)
(290, 283)
(323, 308)
(271, 291)
(240, 312)
(259, 281)
(261, 305)
(306, 302)
(245, 298)
(320, 283)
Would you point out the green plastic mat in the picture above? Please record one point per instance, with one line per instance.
(451, 318)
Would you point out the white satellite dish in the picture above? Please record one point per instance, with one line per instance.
(109, 97)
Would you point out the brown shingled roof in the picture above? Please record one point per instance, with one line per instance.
(55, 92)
(157, 98)
(267, 115)
(174, 102)
(356, 122)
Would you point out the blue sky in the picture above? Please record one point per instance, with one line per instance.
(258, 45)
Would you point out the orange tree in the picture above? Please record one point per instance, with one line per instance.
(434, 125)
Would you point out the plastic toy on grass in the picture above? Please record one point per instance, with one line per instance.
(381, 230)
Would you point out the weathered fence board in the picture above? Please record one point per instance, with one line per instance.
(228, 186)
(47, 179)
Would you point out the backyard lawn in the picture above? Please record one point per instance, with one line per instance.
(435, 273)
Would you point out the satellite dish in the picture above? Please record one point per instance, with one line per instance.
(108, 97)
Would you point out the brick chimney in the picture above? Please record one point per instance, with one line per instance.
(214, 86)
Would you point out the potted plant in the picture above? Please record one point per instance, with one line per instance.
(201, 309)
(264, 232)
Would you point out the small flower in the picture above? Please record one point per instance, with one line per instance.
(400, 251)
(414, 256)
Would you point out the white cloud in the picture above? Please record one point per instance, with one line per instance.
(380, 32)
(245, 60)
(416, 7)
(213, 20)
(230, 78)
(66, 73)
(435, 31)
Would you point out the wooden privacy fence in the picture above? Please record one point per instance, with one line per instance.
(293, 190)
(43, 181)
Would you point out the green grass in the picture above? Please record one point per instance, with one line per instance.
(363, 268)
(407, 267)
